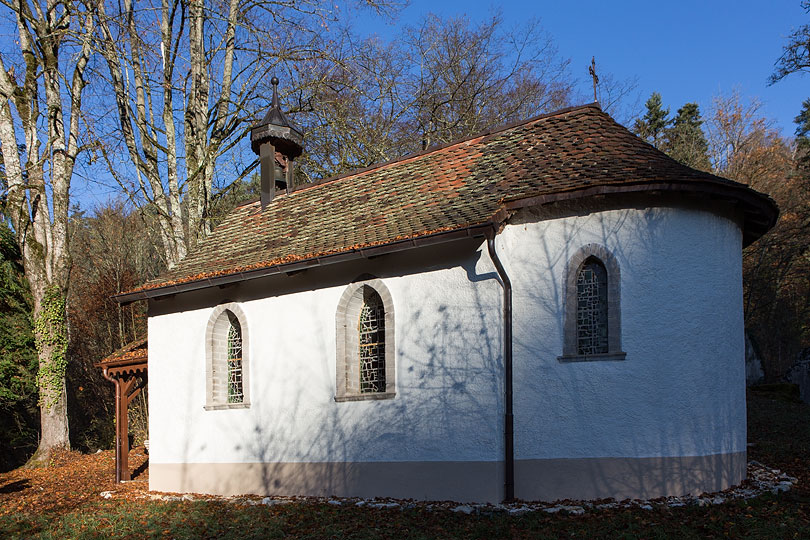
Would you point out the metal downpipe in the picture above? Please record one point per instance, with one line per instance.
(118, 442)
(508, 431)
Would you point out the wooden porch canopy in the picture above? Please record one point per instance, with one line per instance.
(126, 368)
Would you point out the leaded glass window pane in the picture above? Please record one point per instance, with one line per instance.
(235, 394)
(372, 343)
(592, 309)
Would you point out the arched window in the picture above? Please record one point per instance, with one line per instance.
(235, 394)
(371, 330)
(227, 384)
(365, 342)
(592, 308)
(592, 325)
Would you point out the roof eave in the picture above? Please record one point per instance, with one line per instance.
(760, 212)
(471, 231)
(123, 362)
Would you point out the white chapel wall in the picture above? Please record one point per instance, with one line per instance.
(448, 383)
(681, 389)
(679, 392)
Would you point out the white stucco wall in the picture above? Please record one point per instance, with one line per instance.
(679, 392)
(448, 381)
(681, 389)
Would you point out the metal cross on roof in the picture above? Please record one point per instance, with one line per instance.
(592, 73)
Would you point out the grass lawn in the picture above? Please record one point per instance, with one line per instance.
(64, 502)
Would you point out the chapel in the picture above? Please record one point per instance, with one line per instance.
(550, 309)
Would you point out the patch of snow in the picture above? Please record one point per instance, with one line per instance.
(570, 509)
(384, 505)
(519, 511)
(463, 509)
(781, 486)
(269, 501)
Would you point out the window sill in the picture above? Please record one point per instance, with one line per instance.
(225, 406)
(607, 357)
(371, 396)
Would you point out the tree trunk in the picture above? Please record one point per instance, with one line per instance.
(51, 332)
(53, 426)
(41, 169)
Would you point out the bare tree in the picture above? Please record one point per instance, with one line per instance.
(469, 78)
(745, 147)
(619, 97)
(41, 88)
(185, 75)
(796, 54)
(437, 81)
(110, 254)
(352, 107)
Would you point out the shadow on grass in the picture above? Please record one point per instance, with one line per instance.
(141, 469)
(13, 487)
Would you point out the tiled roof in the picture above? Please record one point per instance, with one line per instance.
(135, 352)
(469, 183)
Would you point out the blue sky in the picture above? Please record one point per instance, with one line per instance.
(686, 50)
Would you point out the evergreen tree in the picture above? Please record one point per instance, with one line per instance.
(652, 126)
(802, 121)
(685, 140)
(18, 361)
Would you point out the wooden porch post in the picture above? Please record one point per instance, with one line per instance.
(118, 451)
(123, 385)
(127, 370)
(122, 431)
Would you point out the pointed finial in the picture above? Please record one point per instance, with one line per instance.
(276, 128)
(592, 73)
(274, 82)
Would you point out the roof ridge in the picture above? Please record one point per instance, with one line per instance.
(433, 149)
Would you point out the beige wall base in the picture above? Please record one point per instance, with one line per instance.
(466, 481)
(626, 478)
(463, 481)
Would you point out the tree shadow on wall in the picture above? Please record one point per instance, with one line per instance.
(448, 404)
(577, 422)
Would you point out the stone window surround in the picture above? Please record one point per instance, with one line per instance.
(216, 336)
(572, 269)
(347, 365)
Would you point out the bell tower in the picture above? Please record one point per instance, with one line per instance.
(277, 142)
